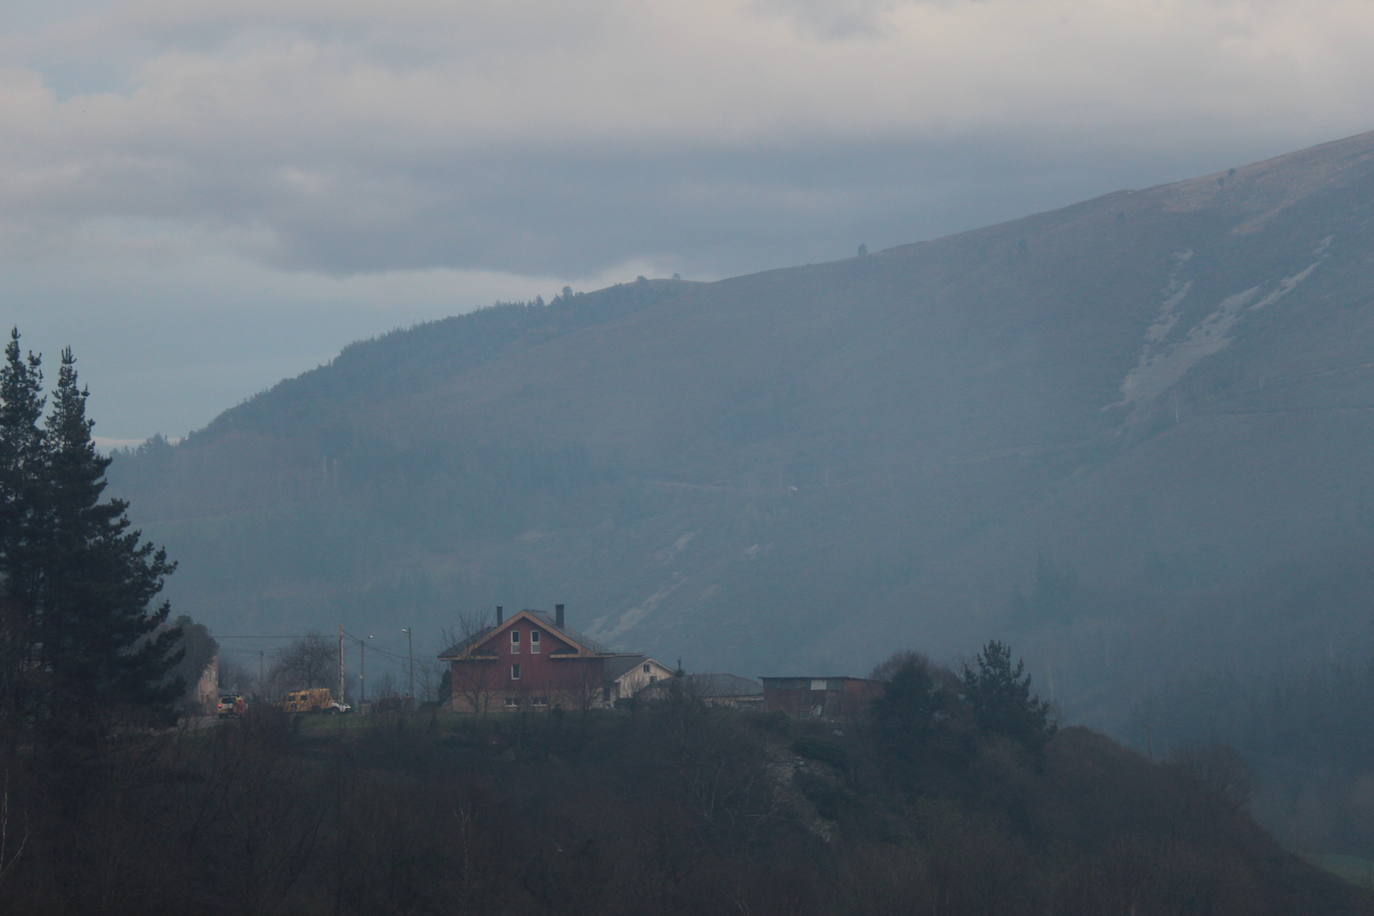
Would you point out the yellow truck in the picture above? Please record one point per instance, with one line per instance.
(316, 699)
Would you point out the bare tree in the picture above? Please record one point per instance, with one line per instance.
(591, 688)
(311, 661)
(474, 678)
(428, 676)
(236, 678)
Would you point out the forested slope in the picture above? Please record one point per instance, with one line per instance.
(1131, 435)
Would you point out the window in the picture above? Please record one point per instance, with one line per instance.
(514, 642)
(515, 672)
(534, 642)
(540, 701)
(653, 679)
(512, 702)
(646, 667)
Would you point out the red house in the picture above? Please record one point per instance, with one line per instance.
(531, 661)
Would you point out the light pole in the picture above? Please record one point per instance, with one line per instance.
(410, 650)
(342, 683)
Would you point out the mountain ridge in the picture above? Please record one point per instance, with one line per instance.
(1155, 391)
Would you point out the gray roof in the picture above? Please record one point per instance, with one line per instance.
(544, 618)
(618, 665)
(548, 621)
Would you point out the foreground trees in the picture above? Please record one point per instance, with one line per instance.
(673, 808)
(80, 643)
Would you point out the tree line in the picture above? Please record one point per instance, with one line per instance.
(932, 800)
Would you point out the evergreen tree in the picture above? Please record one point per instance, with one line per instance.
(21, 460)
(80, 640)
(99, 649)
(1000, 696)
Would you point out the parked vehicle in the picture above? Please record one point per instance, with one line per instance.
(231, 706)
(315, 699)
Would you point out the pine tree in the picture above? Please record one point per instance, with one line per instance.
(80, 642)
(102, 650)
(1001, 698)
(22, 456)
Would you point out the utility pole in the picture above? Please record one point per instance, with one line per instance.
(410, 650)
(341, 665)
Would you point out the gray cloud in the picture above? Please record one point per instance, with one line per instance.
(304, 152)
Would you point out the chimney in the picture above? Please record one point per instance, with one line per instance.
(500, 615)
(558, 615)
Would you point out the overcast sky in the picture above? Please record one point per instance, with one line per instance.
(204, 196)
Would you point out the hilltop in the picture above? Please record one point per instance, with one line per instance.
(1128, 435)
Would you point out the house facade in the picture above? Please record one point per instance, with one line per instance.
(529, 661)
(627, 675)
(819, 697)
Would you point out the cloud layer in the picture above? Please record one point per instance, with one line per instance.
(298, 150)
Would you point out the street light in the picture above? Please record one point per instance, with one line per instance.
(410, 650)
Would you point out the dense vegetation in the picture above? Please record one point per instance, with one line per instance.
(675, 808)
(82, 646)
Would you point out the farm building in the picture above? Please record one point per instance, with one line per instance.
(711, 689)
(819, 697)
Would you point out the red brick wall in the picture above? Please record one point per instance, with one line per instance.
(566, 682)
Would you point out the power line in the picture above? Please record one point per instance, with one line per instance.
(264, 636)
(372, 647)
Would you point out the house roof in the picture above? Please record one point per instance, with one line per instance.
(620, 665)
(583, 644)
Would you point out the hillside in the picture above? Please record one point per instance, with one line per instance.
(1128, 435)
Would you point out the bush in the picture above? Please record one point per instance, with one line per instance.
(827, 752)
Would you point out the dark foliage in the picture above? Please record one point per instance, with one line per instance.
(1000, 696)
(676, 808)
(198, 649)
(84, 646)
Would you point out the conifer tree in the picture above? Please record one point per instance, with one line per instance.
(1001, 698)
(102, 649)
(79, 639)
(22, 456)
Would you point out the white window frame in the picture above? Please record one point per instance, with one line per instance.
(514, 642)
(515, 671)
(534, 642)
